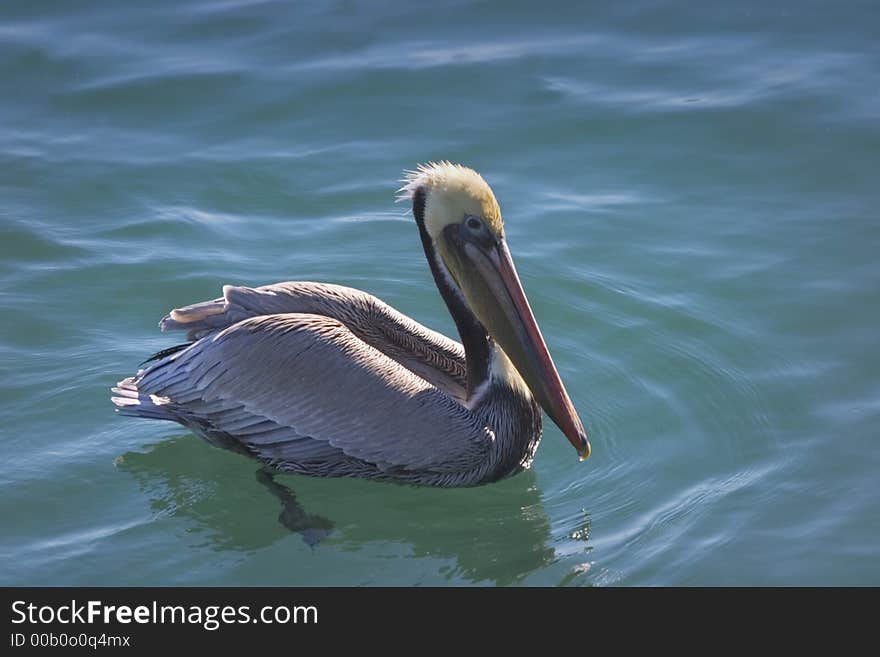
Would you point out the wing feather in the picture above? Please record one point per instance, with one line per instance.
(304, 386)
(423, 351)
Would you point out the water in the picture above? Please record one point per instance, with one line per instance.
(691, 199)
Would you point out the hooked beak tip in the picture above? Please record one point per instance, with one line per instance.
(584, 454)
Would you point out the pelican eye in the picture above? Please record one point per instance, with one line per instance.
(474, 224)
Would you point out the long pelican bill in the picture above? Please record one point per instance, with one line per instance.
(507, 316)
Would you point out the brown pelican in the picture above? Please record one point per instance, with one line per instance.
(329, 381)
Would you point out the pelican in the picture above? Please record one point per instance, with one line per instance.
(329, 381)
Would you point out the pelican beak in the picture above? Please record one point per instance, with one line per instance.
(502, 307)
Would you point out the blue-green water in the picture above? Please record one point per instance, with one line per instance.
(691, 197)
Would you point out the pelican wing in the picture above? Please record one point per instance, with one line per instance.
(429, 354)
(304, 386)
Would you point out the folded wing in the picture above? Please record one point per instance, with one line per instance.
(303, 386)
(429, 354)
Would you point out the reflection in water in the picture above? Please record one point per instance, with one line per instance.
(494, 534)
(312, 528)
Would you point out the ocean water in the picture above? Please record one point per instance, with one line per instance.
(691, 197)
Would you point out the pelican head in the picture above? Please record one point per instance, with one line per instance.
(462, 220)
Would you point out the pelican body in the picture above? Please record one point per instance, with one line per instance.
(329, 381)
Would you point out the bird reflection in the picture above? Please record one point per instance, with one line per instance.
(494, 534)
(312, 528)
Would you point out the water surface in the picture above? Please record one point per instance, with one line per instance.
(691, 199)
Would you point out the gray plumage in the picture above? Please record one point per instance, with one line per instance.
(326, 380)
(329, 381)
